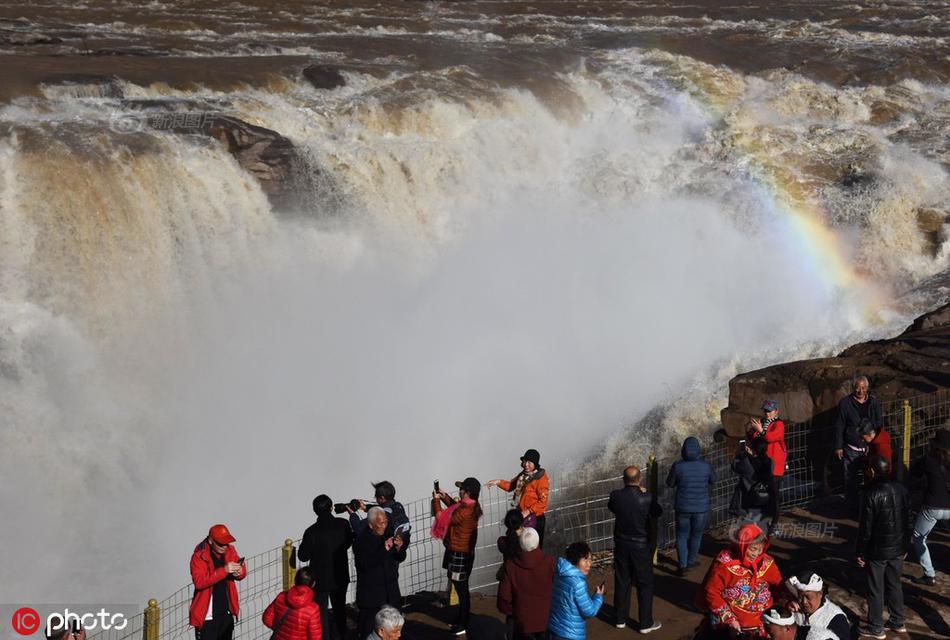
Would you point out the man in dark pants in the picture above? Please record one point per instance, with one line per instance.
(633, 507)
(324, 546)
(377, 569)
(849, 446)
(215, 566)
(883, 538)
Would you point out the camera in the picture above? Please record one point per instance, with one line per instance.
(353, 504)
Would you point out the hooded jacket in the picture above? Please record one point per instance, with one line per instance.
(692, 476)
(302, 621)
(204, 575)
(535, 495)
(736, 587)
(526, 590)
(571, 603)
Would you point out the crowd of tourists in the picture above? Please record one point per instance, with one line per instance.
(744, 593)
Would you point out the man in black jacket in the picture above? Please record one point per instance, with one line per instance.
(377, 569)
(633, 550)
(850, 447)
(882, 542)
(324, 545)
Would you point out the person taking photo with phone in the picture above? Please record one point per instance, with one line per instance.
(457, 527)
(215, 570)
(571, 604)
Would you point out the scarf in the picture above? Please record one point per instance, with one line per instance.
(441, 525)
(520, 483)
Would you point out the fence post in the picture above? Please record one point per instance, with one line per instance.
(290, 571)
(908, 423)
(150, 630)
(652, 488)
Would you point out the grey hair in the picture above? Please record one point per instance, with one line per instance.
(862, 378)
(373, 514)
(389, 618)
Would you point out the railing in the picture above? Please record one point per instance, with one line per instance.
(578, 511)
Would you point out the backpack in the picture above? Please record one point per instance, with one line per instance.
(759, 494)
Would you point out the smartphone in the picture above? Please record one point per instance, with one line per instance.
(241, 560)
(435, 486)
(74, 627)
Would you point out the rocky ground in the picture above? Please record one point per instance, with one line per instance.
(819, 538)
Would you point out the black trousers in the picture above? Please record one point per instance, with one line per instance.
(216, 629)
(884, 584)
(334, 623)
(366, 621)
(539, 527)
(633, 562)
(465, 600)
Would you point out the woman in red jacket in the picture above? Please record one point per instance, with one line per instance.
(293, 615)
(740, 586)
(771, 429)
(879, 442)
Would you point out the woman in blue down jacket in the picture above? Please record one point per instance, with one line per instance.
(570, 602)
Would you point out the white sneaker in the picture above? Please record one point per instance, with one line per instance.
(656, 625)
(621, 625)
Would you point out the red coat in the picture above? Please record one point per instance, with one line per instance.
(776, 449)
(526, 590)
(205, 575)
(881, 446)
(738, 588)
(303, 621)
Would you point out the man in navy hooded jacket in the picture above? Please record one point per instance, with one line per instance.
(692, 476)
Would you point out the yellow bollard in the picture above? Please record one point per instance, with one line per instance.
(152, 617)
(453, 595)
(908, 423)
(652, 487)
(290, 572)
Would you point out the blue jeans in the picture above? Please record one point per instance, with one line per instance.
(689, 533)
(924, 524)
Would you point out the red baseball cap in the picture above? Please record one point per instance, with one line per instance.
(220, 534)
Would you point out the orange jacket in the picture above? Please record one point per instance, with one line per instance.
(535, 496)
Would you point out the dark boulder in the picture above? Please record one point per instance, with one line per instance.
(323, 77)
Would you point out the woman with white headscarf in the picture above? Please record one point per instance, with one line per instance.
(814, 612)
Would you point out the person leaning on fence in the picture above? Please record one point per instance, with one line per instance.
(934, 470)
(755, 499)
(570, 601)
(530, 491)
(633, 507)
(457, 528)
(377, 559)
(324, 546)
(878, 441)
(526, 588)
(818, 617)
(848, 445)
(741, 584)
(215, 568)
(771, 429)
(293, 615)
(388, 624)
(883, 540)
(509, 546)
(691, 477)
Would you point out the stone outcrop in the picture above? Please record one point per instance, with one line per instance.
(913, 363)
(323, 77)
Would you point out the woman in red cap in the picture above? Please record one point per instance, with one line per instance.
(215, 566)
(740, 586)
(530, 491)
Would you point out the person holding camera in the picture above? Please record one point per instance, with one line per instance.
(457, 527)
(324, 546)
(755, 498)
(377, 569)
(771, 429)
(293, 614)
(529, 490)
(215, 568)
(385, 494)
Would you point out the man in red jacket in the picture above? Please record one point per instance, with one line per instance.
(215, 566)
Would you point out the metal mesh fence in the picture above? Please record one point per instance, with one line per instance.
(578, 511)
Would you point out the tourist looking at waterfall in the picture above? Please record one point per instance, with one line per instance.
(324, 545)
(525, 590)
(934, 470)
(215, 566)
(771, 429)
(530, 491)
(457, 527)
(849, 447)
(692, 478)
(633, 507)
(385, 494)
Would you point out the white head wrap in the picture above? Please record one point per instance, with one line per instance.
(815, 583)
(775, 617)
